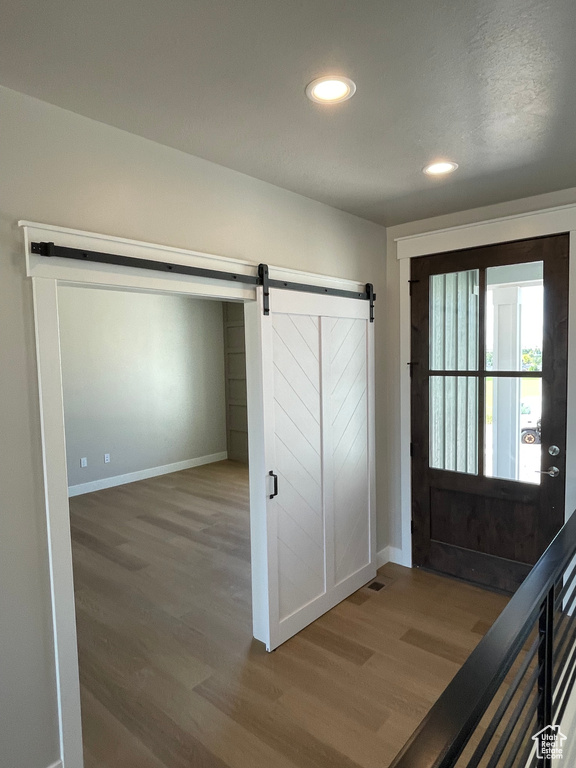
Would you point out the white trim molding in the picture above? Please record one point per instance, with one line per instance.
(58, 520)
(144, 474)
(57, 764)
(392, 555)
(539, 223)
(130, 278)
(383, 557)
(520, 227)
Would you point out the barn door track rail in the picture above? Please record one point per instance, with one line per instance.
(261, 278)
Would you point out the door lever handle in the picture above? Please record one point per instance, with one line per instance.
(275, 484)
(551, 471)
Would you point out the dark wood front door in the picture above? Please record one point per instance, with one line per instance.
(489, 357)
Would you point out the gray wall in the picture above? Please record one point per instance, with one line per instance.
(60, 168)
(143, 378)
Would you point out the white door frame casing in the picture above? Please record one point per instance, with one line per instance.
(520, 227)
(46, 274)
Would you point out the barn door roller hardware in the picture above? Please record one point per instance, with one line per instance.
(62, 252)
(265, 283)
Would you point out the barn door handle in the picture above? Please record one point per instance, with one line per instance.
(552, 471)
(275, 484)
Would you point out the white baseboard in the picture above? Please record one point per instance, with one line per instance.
(57, 764)
(143, 474)
(392, 555)
(401, 556)
(382, 557)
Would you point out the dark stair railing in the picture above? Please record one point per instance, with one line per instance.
(517, 681)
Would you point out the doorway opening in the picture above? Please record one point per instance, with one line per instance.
(155, 415)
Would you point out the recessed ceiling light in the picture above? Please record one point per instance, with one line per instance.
(439, 168)
(331, 89)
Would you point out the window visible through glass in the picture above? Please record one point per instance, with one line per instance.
(512, 428)
(514, 317)
(454, 321)
(454, 423)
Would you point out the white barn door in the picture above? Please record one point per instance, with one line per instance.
(310, 384)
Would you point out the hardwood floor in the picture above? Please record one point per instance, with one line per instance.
(171, 677)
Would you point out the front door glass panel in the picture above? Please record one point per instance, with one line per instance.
(514, 317)
(454, 321)
(454, 423)
(486, 375)
(513, 410)
(454, 340)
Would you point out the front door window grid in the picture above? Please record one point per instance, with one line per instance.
(483, 322)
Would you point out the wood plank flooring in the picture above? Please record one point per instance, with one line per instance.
(170, 674)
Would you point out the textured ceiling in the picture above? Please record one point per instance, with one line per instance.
(487, 83)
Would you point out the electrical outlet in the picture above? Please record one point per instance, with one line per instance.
(84, 462)
(106, 458)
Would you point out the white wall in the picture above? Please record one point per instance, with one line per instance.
(64, 169)
(143, 379)
(396, 421)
